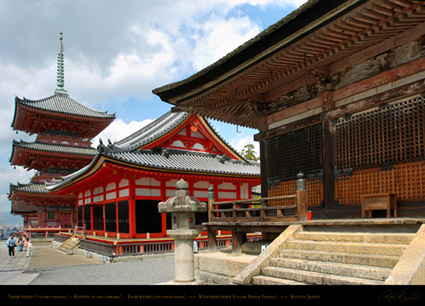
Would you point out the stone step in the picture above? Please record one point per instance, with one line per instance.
(348, 247)
(391, 238)
(315, 278)
(367, 272)
(69, 244)
(386, 261)
(267, 280)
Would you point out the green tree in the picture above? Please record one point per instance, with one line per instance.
(248, 153)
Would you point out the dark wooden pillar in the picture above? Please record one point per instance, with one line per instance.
(264, 158)
(212, 238)
(328, 142)
(212, 232)
(238, 238)
(264, 168)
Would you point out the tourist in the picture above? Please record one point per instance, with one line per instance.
(28, 245)
(20, 243)
(11, 244)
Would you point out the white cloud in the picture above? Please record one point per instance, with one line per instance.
(219, 36)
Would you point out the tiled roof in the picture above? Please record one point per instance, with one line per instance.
(152, 131)
(55, 148)
(173, 160)
(66, 105)
(186, 161)
(30, 188)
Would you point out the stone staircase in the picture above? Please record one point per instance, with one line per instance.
(70, 244)
(332, 257)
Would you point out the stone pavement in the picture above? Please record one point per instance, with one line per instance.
(46, 266)
(20, 270)
(11, 269)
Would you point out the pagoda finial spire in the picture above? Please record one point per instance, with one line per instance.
(60, 80)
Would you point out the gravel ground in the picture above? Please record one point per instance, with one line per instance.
(149, 271)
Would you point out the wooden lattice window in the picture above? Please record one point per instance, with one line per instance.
(405, 180)
(296, 151)
(389, 134)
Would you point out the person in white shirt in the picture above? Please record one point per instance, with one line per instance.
(11, 244)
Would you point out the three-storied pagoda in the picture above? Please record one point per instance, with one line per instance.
(64, 131)
(336, 90)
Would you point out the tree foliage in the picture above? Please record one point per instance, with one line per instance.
(248, 153)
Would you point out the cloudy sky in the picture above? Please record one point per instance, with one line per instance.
(116, 52)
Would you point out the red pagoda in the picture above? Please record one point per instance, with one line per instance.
(64, 131)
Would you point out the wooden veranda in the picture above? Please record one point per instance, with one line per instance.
(269, 215)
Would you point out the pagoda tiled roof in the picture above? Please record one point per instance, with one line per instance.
(63, 103)
(46, 147)
(29, 188)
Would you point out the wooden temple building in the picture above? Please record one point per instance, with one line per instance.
(336, 90)
(64, 130)
(119, 191)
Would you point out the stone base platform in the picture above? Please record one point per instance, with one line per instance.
(219, 267)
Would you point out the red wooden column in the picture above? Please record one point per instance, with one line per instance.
(163, 215)
(132, 207)
(104, 215)
(91, 217)
(191, 182)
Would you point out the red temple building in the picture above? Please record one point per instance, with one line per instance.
(64, 130)
(119, 191)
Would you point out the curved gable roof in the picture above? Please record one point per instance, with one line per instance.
(164, 125)
(153, 131)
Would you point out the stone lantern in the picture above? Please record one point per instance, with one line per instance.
(183, 208)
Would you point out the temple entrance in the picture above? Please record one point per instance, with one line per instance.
(98, 218)
(66, 219)
(87, 218)
(111, 217)
(80, 217)
(123, 216)
(148, 219)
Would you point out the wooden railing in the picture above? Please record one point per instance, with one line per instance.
(259, 209)
(252, 210)
(114, 250)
